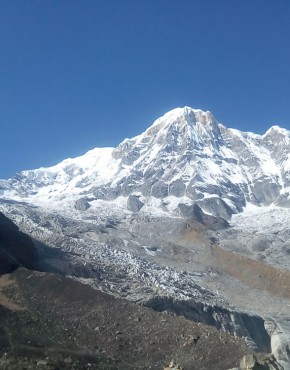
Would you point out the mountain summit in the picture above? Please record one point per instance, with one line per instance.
(186, 157)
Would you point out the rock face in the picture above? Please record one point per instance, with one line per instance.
(82, 204)
(134, 204)
(16, 248)
(194, 212)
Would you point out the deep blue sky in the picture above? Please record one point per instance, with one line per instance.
(76, 74)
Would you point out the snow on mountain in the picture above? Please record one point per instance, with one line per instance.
(102, 214)
(185, 155)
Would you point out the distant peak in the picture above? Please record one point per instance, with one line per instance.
(277, 129)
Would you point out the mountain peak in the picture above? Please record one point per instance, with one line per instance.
(176, 113)
(277, 129)
(185, 117)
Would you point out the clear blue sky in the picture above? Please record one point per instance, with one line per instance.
(77, 74)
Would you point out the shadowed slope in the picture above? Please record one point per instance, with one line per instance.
(16, 248)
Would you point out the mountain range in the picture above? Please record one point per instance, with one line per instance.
(186, 154)
(189, 217)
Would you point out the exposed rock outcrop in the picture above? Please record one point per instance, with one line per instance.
(82, 204)
(195, 213)
(134, 204)
(216, 206)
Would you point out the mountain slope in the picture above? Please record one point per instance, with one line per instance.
(16, 248)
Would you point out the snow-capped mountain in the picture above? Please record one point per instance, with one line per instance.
(147, 220)
(186, 156)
